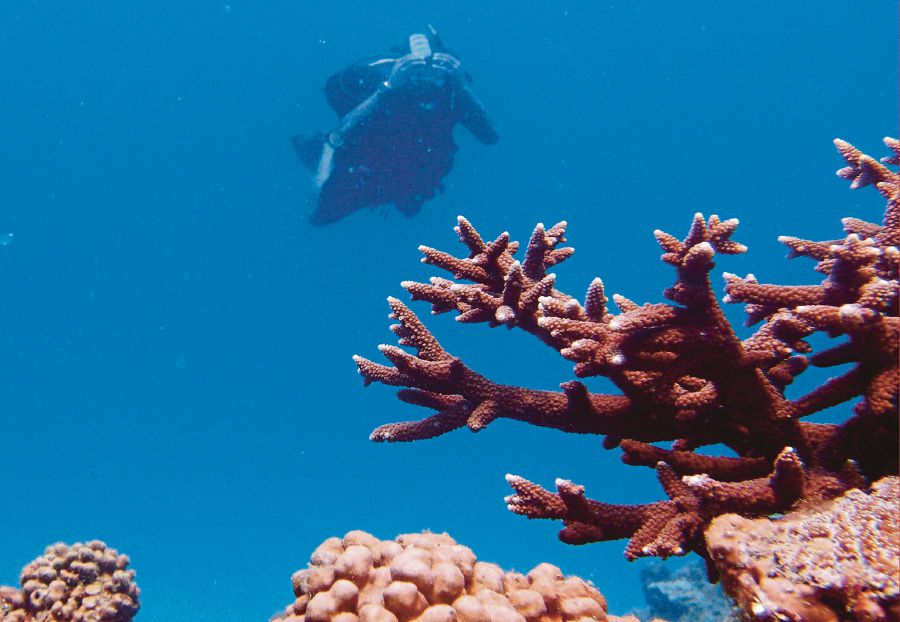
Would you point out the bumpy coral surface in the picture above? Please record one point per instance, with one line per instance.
(428, 577)
(685, 376)
(80, 583)
(834, 562)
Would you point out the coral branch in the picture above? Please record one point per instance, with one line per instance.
(684, 375)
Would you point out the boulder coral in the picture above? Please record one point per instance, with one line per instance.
(87, 582)
(428, 577)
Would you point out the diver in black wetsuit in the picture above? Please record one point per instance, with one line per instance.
(394, 143)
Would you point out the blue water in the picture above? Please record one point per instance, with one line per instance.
(175, 371)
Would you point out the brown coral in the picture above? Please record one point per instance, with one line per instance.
(684, 375)
(834, 562)
(428, 577)
(80, 583)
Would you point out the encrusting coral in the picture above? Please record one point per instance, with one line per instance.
(428, 577)
(835, 560)
(80, 583)
(685, 377)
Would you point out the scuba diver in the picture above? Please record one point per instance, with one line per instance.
(394, 141)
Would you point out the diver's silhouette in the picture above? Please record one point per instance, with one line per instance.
(394, 142)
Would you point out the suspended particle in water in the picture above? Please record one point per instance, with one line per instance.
(6, 239)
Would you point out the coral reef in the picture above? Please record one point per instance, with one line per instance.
(833, 562)
(686, 378)
(684, 595)
(428, 577)
(80, 583)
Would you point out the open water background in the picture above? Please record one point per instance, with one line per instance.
(175, 373)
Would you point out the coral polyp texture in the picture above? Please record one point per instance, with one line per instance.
(685, 377)
(428, 577)
(80, 583)
(835, 561)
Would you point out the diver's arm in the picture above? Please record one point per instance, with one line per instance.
(360, 115)
(473, 115)
(347, 130)
(356, 118)
(471, 111)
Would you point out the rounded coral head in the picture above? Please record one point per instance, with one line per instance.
(428, 577)
(88, 582)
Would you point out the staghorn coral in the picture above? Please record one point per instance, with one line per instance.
(833, 562)
(80, 583)
(428, 577)
(684, 375)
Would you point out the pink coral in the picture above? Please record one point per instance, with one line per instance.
(684, 375)
(427, 577)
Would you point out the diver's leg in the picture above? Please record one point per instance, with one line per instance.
(337, 197)
(327, 200)
(328, 207)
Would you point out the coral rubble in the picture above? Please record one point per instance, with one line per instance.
(80, 583)
(428, 577)
(834, 562)
(685, 377)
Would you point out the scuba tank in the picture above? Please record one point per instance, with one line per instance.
(419, 46)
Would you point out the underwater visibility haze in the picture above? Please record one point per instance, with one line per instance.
(177, 338)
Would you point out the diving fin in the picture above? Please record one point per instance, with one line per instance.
(309, 148)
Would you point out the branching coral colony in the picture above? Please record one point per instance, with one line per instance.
(683, 374)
